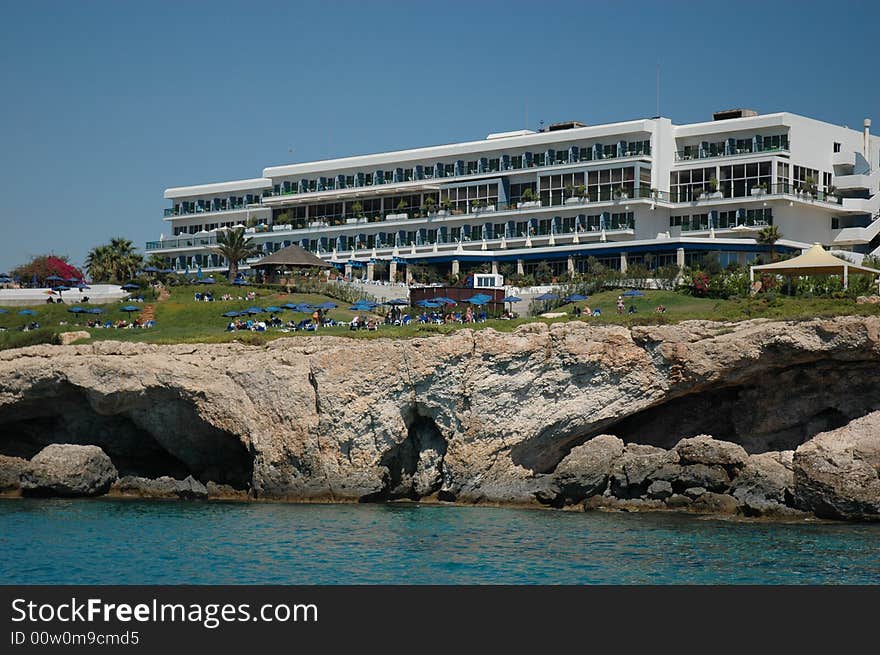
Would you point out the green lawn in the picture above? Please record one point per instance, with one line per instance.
(180, 319)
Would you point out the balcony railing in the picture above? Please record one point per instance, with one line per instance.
(428, 174)
(726, 193)
(696, 153)
(179, 211)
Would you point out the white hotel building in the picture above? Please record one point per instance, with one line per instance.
(645, 191)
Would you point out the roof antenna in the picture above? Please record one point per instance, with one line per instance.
(658, 89)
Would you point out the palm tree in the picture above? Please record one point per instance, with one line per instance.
(235, 247)
(113, 262)
(768, 236)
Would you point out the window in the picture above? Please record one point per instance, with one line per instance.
(804, 179)
(517, 190)
(782, 183)
(688, 185)
(737, 181)
(556, 188)
(826, 182)
(690, 222)
(608, 183)
(836, 147)
(462, 199)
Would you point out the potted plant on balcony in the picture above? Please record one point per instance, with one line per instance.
(713, 189)
(528, 199)
(758, 189)
(400, 212)
(574, 195)
(620, 193)
(446, 204)
(430, 206)
(808, 188)
(831, 194)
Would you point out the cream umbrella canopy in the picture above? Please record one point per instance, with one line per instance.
(816, 261)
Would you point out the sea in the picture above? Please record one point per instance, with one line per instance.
(104, 541)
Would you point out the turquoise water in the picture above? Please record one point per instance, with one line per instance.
(125, 542)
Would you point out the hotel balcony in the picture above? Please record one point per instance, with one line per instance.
(698, 153)
(178, 212)
(863, 182)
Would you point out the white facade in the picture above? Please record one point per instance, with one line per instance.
(645, 191)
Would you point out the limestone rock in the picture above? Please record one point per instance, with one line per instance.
(585, 470)
(713, 503)
(67, 338)
(764, 484)
(475, 416)
(678, 501)
(713, 478)
(837, 473)
(162, 487)
(703, 449)
(11, 469)
(632, 471)
(68, 470)
(660, 490)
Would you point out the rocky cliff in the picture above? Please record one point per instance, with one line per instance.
(475, 416)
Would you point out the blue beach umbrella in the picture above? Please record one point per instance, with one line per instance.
(272, 308)
(428, 304)
(3, 311)
(209, 280)
(77, 310)
(199, 273)
(575, 297)
(130, 286)
(398, 302)
(633, 293)
(61, 287)
(128, 309)
(546, 296)
(82, 285)
(240, 282)
(254, 310)
(289, 306)
(511, 299)
(53, 278)
(27, 312)
(168, 270)
(150, 269)
(73, 280)
(231, 314)
(327, 305)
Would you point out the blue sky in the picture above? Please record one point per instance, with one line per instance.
(105, 104)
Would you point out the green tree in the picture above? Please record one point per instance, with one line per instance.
(768, 236)
(114, 262)
(235, 247)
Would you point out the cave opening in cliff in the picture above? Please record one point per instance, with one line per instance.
(149, 435)
(414, 466)
(769, 412)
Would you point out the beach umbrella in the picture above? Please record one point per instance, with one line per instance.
(240, 282)
(150, 269)
(254, 310)
(428, 304)
(327, 305)
(546, 296)
(575, 297)
(128, 309)
(307, 305)
(130, 286)
(199, 273)
(511, 299)
(398, 302)
(209, 280)
(289, 306)
(231, 314)
(168, 270)
(3, 311)
(60, 288)
(633, 293)
(77, 310)
(272, 308)
(27, 312)
(82, 285)
(53, 278)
